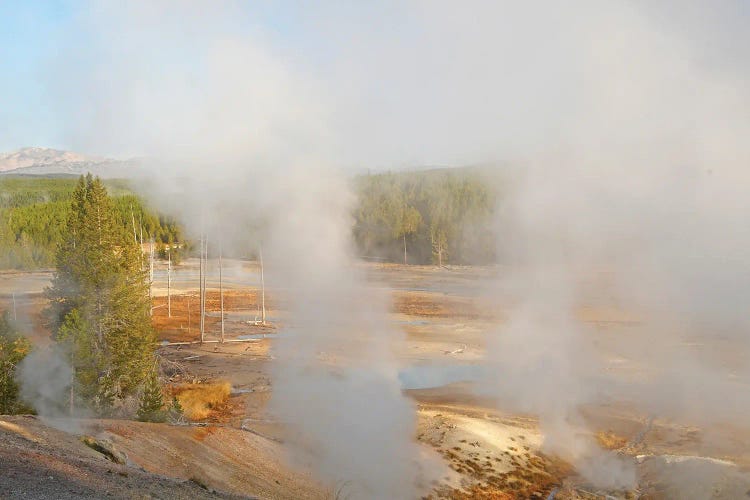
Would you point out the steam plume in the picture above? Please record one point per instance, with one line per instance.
(628, 121)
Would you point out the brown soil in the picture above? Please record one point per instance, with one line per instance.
(496, 456)
(439, 305)
(243, 365)
(221, 455)
(184, 327)
(41, 462)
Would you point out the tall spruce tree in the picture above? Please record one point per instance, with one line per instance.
(99, 301)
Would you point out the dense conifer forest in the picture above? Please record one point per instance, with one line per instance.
(34, 211)
(438, 216)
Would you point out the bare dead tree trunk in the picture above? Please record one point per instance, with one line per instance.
(169, 282)
(205, 282)
(262, 287)
(221, 296)
(72, 382)
(200, 275)
(404, 248)
(132, 218)
(200, 285)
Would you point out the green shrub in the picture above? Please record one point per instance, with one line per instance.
(13, 348)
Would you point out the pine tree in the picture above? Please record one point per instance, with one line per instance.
(152, 400)
(176, 412)
(100, 303)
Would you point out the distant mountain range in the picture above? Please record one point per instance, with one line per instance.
(46, 161)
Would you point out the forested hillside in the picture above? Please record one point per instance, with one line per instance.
(433, 216)
(34, 210)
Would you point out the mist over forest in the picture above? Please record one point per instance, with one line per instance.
(439, 216)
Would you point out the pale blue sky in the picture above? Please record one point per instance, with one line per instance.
(41, 43)
(393, 81)
(29, 35)
(32, 35)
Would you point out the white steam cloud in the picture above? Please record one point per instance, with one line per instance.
(644, 190)
(241, 152)
(44, 376)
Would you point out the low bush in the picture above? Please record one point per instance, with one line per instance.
(199, 400)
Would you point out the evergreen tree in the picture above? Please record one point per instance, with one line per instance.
(13, 348)
(100, 304)
(33, 215)
(152, 400)
(176, 412)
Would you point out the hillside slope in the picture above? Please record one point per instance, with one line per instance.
(164, 461)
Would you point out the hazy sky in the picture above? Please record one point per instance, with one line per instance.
(393, 83)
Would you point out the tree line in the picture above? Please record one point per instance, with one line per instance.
(435, 216)
(34, 211)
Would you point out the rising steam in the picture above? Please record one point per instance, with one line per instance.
(645, 192)
(242, 155)
(630, 131)
(44, 377)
